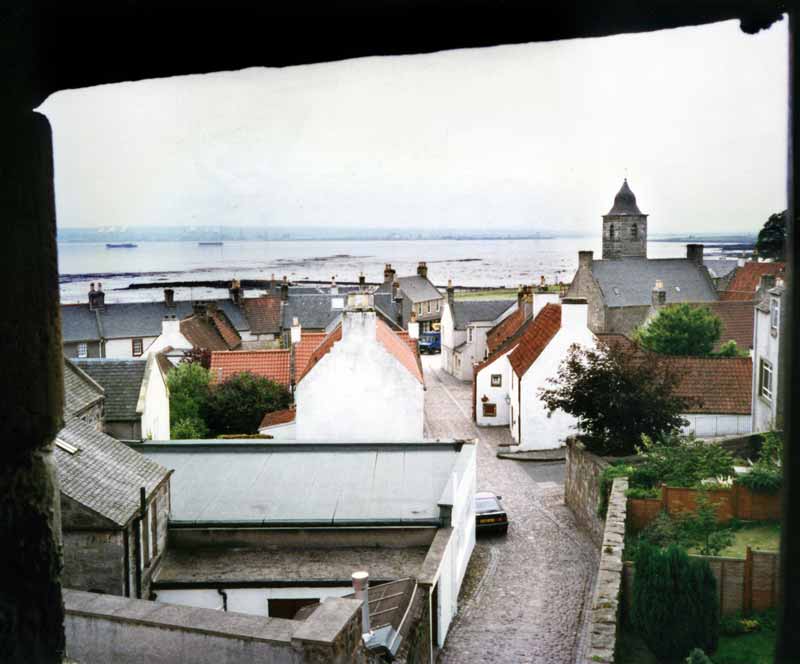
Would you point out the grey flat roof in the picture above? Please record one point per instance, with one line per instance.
(253, 483)
(286, 564)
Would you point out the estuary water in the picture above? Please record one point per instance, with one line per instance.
(467, 262)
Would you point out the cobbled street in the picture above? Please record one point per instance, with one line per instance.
(529, 602)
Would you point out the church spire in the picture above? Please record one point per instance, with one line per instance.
(625, 227)
(625, 201)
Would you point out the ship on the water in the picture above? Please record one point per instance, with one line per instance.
(121, 245)
(215, 243)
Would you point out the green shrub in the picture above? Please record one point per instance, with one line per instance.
(697, 656)
(675, 604)
(188, 428)
(188, 393)
(702, 529)
(637, 492)
(237, 405)
(736, 624)
(682, 461)
(766, 476)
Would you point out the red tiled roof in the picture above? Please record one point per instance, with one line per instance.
(746, 279)
(720, 385)
(202, 333)
(322, 350)
(263, 314)
(399, 344)
(225, 329)
(737, 321)
(535, 338)
(504, 329)
(278, 417)
(271, 364)
(309, 341)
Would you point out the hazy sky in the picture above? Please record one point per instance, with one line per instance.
(535, 136)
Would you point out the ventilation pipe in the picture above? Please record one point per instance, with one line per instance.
(361, 588)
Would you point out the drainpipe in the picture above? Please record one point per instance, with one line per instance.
(127, 561)
(361, 588)
(224, 599)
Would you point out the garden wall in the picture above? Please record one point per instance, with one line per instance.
(737, 502)
(605, 616)
(743, 584)
(581, 488)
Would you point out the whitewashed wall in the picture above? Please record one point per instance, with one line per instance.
(764, 346)
(541, 430)
(359, 391)
(170, 337)
(155, 413)
(281, 431)
(707, 425)
(122, 348)
(246, 600)
(496, 395)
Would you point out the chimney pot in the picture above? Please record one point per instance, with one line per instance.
(659, 295)
(422, 269)
(694, 253)
(169, 297)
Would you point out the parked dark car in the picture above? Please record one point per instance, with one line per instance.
(430, 342)
(490, 515)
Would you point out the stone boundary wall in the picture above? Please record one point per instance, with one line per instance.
(107, 628)
(606, 602)
(743, 584)
(581, 488)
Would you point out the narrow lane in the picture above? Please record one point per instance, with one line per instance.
(529, 606)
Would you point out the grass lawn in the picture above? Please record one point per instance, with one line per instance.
(764, 536)
(754, 648)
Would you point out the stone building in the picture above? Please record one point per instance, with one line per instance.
(619, 287)
(84, 398)
(414, 294)
(114, 510)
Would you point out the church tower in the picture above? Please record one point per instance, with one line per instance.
(625, 227)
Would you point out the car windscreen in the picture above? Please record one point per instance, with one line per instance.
(486, 505)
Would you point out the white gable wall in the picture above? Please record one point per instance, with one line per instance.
(155, 403)
(765, 347)
(123, 348)
(495, 395)
(359, 391)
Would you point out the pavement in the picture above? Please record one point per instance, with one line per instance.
(531, 603)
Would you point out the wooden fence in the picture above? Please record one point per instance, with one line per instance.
(737, 502)
(743, 584)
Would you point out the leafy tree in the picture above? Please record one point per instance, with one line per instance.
(237, 405)
(730, 349)
(681, 329)
(771, 242)
(681, 461)
(703, 530)
(188, 394)
(675, 603)
(616, 396)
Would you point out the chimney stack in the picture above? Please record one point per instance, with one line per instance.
(396, 291)
(284, 290)
(97, 298)
(361, 589)
(659, 295)
(574, 313)
(362, 281)
(694, 253)
(451, 293)
(422, 269)
(413, 326)
(388, 274)
(169, 297)
(296, 332)
(585, 259)
(542, 283)
(236, 292)
(520, 297)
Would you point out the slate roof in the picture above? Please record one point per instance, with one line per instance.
(415, 288)
(122, 382)
(314, 312)
(202, 333)
(714, 385)
(535, 338)
(384, 304)
(473, 311)
(278, 417)
(497, 336)
(104, 475)
(272, 364)
(263, 314)
(720, 267)
(122, 320)
(630, 281)
(747, 278)
(625, 201)
(81, 392)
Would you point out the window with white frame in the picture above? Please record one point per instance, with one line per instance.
(429, 306)
(497, 380)
(136, 347)
(774, 314)
(469, 334)
(765, 379)
(83, 350)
